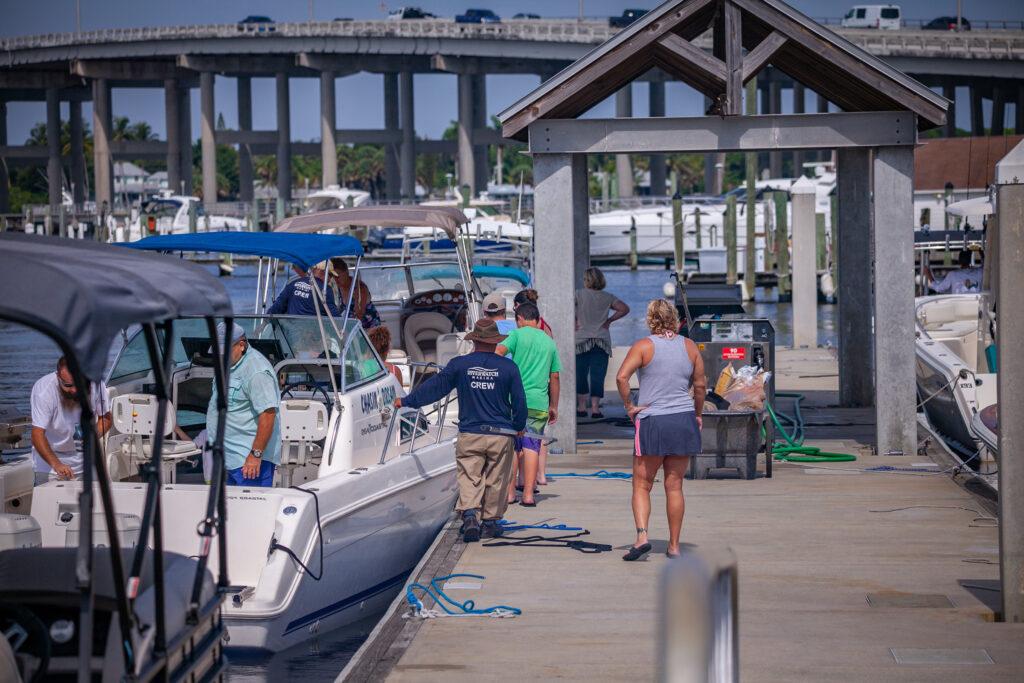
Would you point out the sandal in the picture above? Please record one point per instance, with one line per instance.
(597, 416)
(581, 413)
(636, 553)
(531, 504)
(671, 555)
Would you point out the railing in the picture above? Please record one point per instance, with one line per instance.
(911, 24)
(400, 417)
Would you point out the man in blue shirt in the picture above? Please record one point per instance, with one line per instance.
(492, 411)
(252, 433)
(298, 298)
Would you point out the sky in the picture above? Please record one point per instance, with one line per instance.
(360, 96)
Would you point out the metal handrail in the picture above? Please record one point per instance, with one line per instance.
(397, 417)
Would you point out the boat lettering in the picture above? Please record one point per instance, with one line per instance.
(377, 400)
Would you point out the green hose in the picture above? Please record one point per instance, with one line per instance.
(794, 449)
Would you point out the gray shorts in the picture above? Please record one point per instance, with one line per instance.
(675, 434)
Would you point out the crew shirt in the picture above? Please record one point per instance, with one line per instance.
(297, 298)
(490, 392)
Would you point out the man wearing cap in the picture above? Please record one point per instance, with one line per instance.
(492, 411)
(494, 308)
(252, 436)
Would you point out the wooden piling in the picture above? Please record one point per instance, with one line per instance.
(677, 230)
(729, 226)
(634, 258)
(820, 261)
(782, 241)
(193, 224)
(750, 251)
(696, 225)
(768, 211)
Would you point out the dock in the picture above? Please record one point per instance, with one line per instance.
(845, 572)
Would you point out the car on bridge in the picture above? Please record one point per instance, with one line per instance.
(256, 23)
(947, 24)
(478, 16)
(874, 16)
(626, 18)
(409, 13)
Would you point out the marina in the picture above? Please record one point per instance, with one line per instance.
(721, 385)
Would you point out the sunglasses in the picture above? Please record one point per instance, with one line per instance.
(66, 385)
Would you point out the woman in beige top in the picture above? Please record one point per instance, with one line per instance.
(593, 340)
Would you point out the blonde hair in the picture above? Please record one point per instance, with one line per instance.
(662, 317)
(593, 278)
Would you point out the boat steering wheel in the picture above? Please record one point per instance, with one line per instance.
(286, 392)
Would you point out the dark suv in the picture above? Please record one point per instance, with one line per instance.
(947, 24)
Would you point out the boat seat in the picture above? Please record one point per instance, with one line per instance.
(303, 424)
(420, 335)
(135, 421)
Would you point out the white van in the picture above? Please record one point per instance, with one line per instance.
(874, 16)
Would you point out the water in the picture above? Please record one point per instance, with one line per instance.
(26, 355)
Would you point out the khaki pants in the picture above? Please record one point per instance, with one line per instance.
(483, 469)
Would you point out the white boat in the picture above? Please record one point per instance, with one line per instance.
(334, 197)
(955, 383)
(168, 214)
(360, 493)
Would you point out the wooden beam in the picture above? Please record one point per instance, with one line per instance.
(688, 52)
(757, 58)
(733, 36)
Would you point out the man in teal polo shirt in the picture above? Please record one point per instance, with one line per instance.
(252, 435)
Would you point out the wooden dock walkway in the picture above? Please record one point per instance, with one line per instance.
(841, 573)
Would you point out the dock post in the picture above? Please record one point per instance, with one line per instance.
(1010, 382)
(750, 251)
(805, 281)
(677, 231)
(193, 223)
(729, 227)
(768, 211)
(820, 257)
(696, 225)
(634, 259)
(782, 241)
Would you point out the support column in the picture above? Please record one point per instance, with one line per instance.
(1010, 383)
(185, 111)
(949, 92)
(466, 160)
(284, 141)
(54, 175)
(392, 180)
(1018, 127)
(775, 94)
(799, 107)
(623, 165)
(78, 181)
(328, 124)
(103, 172)
(892, 213)
(5, 181)
(656, 105)
(408, 155)
(852, 237)
(481, 156)
(998, 111)
(977, 113)
(208, 144)
(561, 226)
(172, 120)
(805, 274)
(245, 175)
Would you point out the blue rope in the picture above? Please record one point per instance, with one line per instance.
(440, 597)
(592, 442)
(600, 474)
(507, 526)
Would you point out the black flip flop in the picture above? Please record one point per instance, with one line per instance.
(636, 553)
(597, 416)
(670, 555)
(581, 413)
(524, 504)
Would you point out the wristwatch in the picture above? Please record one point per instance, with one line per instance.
(257, 453)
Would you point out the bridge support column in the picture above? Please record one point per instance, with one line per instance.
(623, 164)
(172, 120)
(977, 113)
(185, 128)
(892, 212)
(5, 181)
(949, 92)
(208, 143)
(799, 106)
(103, 172)
(284, 141)
(481, 157)
(408, 155)
(392, 175)
(998, 110)
(54, 175)
(561, 227)
(775, 107)
(77, 152)
(853, 240)
(328, 118)
(467, 160)
(245, 176)
(656, 107)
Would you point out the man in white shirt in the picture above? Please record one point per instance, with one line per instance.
(962, 281)
(56, 432)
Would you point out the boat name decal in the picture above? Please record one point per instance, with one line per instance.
(377, 400)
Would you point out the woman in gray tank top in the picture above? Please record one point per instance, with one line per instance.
(666, 418)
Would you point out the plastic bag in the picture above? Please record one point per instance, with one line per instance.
(746, 390)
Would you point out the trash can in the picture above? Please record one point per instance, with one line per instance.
(730, 440)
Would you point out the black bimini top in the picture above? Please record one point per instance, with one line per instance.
(82, 294)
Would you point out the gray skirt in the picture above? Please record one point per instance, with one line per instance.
(675, 434)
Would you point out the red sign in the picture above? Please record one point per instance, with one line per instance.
(733, 353)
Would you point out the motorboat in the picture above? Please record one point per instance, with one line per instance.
(91, 584)
(956, 372)
(334, 197)
(362, 489)
(170, 214)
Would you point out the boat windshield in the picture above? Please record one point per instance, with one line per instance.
(392, 283)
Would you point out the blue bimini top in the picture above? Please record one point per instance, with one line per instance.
(304, 250)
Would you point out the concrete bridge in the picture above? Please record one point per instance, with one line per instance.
(75, 67)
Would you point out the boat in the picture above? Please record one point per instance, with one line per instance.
(169, 214)
(362, 489)
(956, 372)
(96, 583)
(334, 197)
